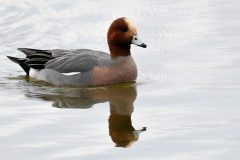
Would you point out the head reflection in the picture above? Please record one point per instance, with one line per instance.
(121, 130)
(121, 99)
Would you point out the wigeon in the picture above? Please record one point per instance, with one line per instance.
(86, 67)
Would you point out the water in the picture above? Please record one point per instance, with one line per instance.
(185, 104)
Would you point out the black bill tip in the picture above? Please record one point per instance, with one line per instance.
(143, 45)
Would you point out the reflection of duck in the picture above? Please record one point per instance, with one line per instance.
(121, 130)
(121, 98)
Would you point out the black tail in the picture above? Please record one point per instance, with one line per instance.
(21, 62)
(35, 58)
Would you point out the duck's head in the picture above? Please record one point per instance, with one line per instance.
(121, 34)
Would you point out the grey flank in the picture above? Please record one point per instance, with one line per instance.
(54, 77)
(80, 60)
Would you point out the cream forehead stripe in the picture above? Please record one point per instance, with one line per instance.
(131, 26)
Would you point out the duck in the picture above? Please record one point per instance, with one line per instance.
(86, 67)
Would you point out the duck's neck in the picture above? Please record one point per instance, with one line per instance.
(119, 50)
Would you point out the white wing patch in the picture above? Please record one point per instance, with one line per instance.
(33, 73)
(71, 73)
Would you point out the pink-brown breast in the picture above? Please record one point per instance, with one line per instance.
(123, 72)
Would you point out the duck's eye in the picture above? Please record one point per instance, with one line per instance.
(123, 29)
